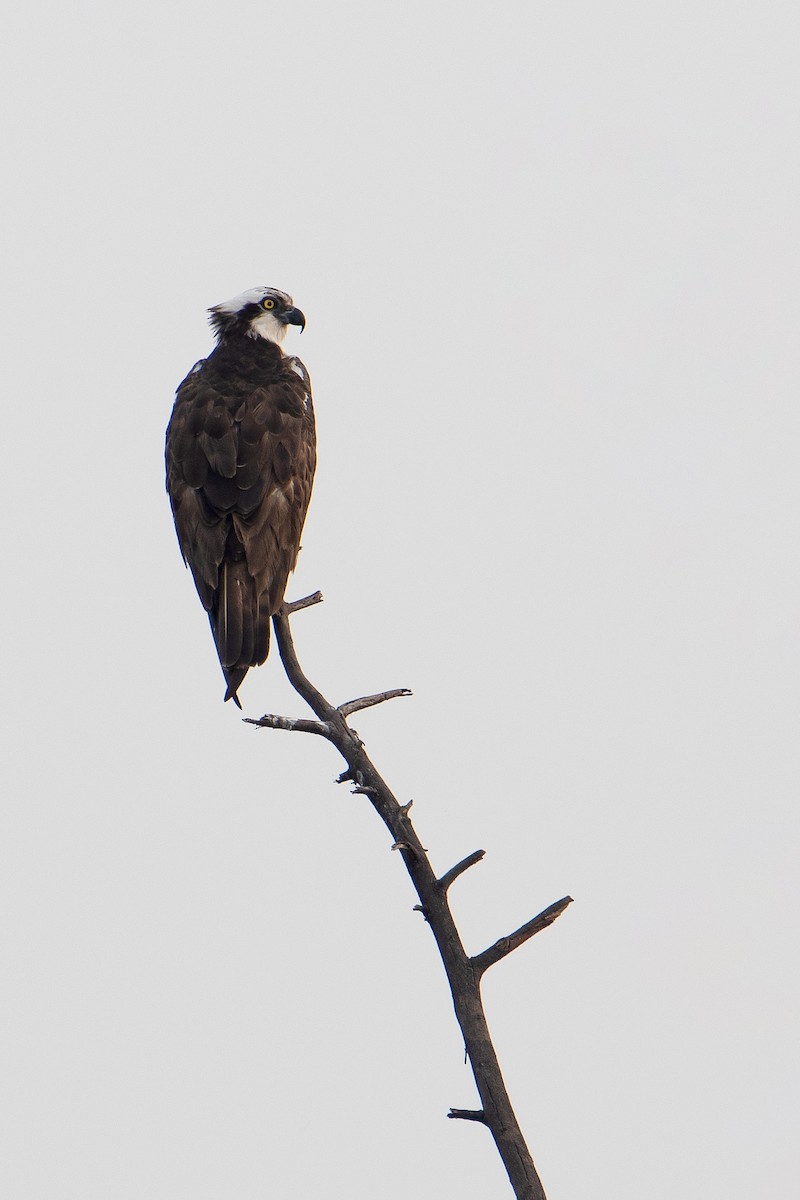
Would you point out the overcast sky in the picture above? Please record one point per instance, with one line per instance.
(548, 253)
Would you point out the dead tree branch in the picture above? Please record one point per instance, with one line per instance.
(468, 1114)
(369, 701)
(294, 606)
(463, 973)
(504, 945)
(452, 875)
(294, 724)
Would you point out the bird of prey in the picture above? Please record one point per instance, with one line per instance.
(240, 454)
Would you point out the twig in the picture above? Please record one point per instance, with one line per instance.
(468, 1114)
(452, 875)
(294, 724)
(293, 606)
(504, 945)
(368, 701)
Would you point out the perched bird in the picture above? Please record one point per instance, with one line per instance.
(240, 454)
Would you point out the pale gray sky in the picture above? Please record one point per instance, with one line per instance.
(548, 253)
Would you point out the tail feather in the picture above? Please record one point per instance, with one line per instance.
(229, 623)
(240, 622)
(262, 628)
(234, 679)
(249, 611)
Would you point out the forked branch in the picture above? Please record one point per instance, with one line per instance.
(463, 973)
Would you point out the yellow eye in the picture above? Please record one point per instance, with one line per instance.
(267, 303)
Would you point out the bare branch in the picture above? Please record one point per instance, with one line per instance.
(463, 973)
(452, 875)
(504, 945)
(467, 1114)
(313, 698)
(292, 606)
(368, 701)
(295, 724)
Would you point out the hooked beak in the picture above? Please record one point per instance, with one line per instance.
(293, 316)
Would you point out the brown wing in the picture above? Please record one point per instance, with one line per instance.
(241, 453)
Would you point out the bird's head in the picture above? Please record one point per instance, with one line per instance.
(261, 312)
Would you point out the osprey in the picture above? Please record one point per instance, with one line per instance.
(241, 452)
